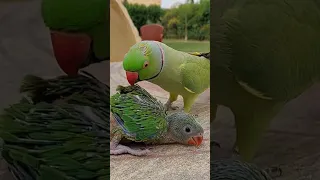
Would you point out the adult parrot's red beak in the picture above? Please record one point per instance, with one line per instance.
(195, 140)
(132, 77)
(71, 50)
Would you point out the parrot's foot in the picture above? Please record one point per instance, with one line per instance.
(121, 149)
(274, 172)
(169, 106)
(235, 150)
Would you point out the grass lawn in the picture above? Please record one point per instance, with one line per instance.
(188, 46)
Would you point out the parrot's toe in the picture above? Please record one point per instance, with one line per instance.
(274, 172)
(148, 148)
(235, 150)
(215, 143)
(169, 107)
(121, 149)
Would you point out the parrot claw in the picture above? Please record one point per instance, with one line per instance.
(148, 148)
(235, 150)
(274, 172)
(214, 143)
(169, 107)
(121, 149)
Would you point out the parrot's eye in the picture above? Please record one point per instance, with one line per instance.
(187, 129)
(146, 64)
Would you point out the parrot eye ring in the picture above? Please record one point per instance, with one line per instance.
(187, 129)
(146, 63)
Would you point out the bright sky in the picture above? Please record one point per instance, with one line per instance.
(169, 3)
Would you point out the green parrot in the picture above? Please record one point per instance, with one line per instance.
(59, 130)
(264, 54)
(139, 117)
(177, 72)
(80, 32)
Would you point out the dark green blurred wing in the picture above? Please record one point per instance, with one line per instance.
(74, 15)
(59, 131)
(62, 141)
(268, 46)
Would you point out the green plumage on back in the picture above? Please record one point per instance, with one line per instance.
(142, 115)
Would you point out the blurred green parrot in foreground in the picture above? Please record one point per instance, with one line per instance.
(139, 117)
(79, 32)
(177, 72)
(231, 169)
(59, 130)
(225, 165)
(264, 54)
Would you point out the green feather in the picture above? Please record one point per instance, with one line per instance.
(142, 115)
(60, 132)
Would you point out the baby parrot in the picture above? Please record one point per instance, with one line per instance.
(264, 54)
(177, 72)
(139, 117)
(79, 32)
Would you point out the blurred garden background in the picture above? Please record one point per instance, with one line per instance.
(186, 23)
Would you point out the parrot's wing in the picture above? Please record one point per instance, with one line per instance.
(195, 76)
(140, 117)
(278, 63)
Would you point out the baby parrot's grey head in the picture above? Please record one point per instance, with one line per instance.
(184, 129)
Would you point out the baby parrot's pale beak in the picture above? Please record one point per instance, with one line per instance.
(132, 77)
(195, 140)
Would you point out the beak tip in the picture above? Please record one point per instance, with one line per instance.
(70, 51)
(196, 140)
(132, 77)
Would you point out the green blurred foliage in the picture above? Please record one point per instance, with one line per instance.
(185, 21)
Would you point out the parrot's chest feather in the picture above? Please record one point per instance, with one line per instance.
(170, 77)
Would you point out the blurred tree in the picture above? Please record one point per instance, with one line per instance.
(142, 14)
(189, 21)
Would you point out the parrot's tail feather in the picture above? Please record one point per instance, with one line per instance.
(88, 74)
(50, 90)
(31, 82)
